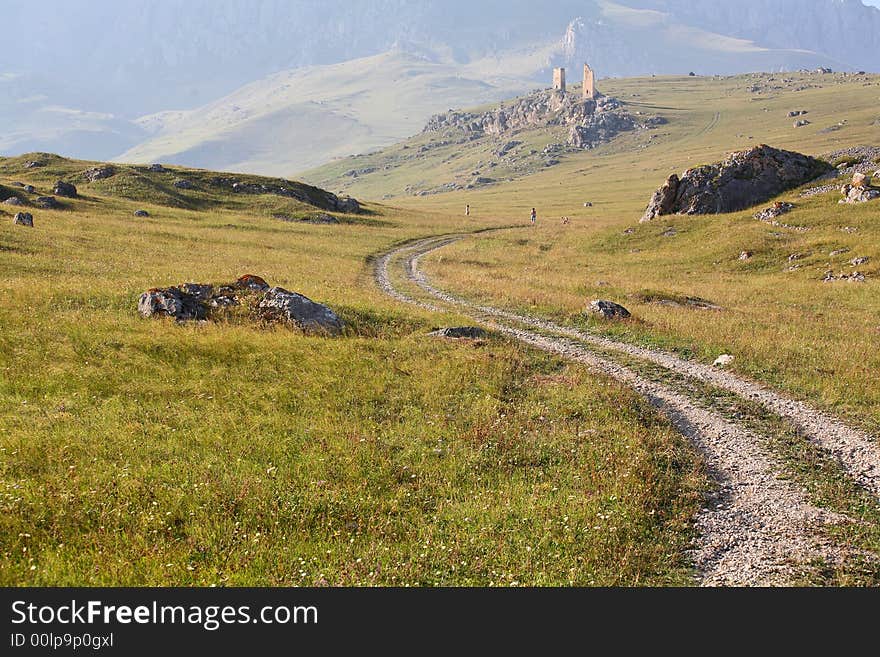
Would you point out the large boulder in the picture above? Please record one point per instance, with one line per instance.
(23, 219)
(64, 189)
(742, 180)
(13, 200)
(279, 304)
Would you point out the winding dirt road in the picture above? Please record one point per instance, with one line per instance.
(757, 529)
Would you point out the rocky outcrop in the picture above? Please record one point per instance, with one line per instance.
(279, 304)
(279, 187)
(141, 213)
(590, 122)
(663, 201)
(13, 200)
(98, 173)
(203, 301)
(608, 309)
(860, 190)
(23, 219)
(64, 189)
(742, 180)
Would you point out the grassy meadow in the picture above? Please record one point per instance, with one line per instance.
(142, 452)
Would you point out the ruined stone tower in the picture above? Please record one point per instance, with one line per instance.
(559, 79)
(589, 83)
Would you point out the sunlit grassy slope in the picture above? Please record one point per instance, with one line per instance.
(818, 340)
(142, 452)
(138, 451)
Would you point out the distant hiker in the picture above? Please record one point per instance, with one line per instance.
(467, 210)
(534, 216)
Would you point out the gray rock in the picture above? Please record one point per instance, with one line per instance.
(99, 173)
(663, 201)
(48, 203)
(282, 305)
(776, 210)
(723, 360)
(742, 180)
(460, 332)
(853, 194)
(64, 189)
(141, 213)
(172, 302)
(183, 184)
(13, 200)
(200, 291)
(30, 189)
(33, 165)
(23, 219)
(861, 260)
(156, 168)
(854, 277)
(608, 309)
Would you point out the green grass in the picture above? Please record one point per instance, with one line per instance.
(141, 452)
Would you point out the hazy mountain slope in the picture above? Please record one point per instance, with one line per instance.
(304, 117)
(75, 76)
(298, 119)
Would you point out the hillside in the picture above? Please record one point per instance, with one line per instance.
(699, 118)
(301, 118)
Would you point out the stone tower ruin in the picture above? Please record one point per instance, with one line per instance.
(589, 83)
(559, 79)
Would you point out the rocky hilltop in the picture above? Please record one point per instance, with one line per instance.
(743, 179)
(590, 122)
